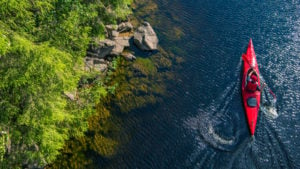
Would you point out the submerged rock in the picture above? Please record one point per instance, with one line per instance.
(145, 37)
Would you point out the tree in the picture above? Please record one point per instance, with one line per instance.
(42, 45)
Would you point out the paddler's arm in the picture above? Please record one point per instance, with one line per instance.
(257, 87)
(260, 88)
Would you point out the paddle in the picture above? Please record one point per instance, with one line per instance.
(270, 91)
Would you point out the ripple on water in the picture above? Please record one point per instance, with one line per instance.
(216, 126)
(215, 35)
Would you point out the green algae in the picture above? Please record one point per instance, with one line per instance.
(145, 66)
(133, 85)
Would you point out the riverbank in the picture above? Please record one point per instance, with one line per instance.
(138, 84)
(46, 96)
(50, 94)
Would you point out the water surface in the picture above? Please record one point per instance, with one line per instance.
(202, 124)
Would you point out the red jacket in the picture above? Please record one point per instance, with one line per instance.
(251, 86)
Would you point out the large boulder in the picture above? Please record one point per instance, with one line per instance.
(145, 37)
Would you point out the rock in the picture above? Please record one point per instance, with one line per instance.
(128, 56)
(125, 27)
(110, 29)
(117, 50)
(104, 48)
(88, 61)
(100, 67)
(123, 41)
(119, 36)
(71, 95)
(101, 48)
(95, 63)
(145, 37)
(114, 34)
(115, 43)
(98, 61)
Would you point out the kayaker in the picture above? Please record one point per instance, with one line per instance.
(252, 82)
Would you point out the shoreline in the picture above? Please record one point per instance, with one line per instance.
(136, 84)
(41, 52)
(59, 105)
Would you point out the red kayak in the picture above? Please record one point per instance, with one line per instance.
(251, 87)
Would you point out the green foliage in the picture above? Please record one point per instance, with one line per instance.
(16, 14)
(42, 44)
(4, 44)
(3, 142)
(33, 78)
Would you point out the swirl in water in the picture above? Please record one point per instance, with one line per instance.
(218, 124)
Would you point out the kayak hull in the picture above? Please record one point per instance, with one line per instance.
(251, 111)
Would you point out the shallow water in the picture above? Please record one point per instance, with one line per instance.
(202, 124)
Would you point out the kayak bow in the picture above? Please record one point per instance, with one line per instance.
(251, 99)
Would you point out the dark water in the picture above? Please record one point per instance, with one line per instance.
(203, 124)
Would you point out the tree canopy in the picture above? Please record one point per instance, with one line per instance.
(42, 44)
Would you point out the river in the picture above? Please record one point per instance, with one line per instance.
(202, 124)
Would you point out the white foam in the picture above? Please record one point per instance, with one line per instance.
(218, 138)
(270, 111)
